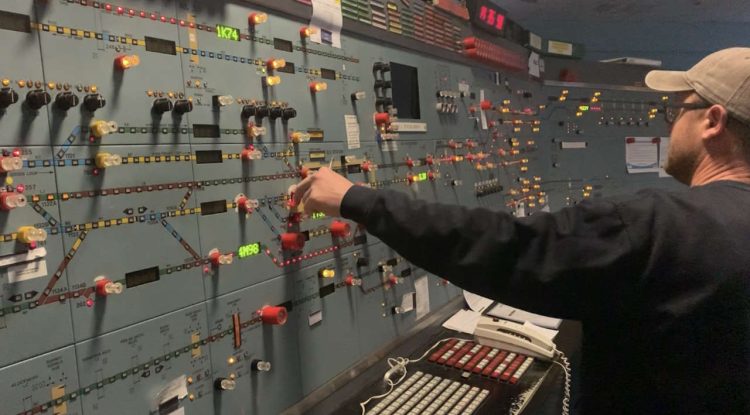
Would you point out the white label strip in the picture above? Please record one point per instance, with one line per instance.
(571, 145)
(27, 271)
(314, 318)
(26, 256)
(409, 127)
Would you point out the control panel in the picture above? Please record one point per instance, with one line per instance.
(151, 260)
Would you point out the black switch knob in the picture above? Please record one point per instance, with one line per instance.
(262, 111)
(381, 66)
(385, 101)
(161, 105)
(379, 83)
(288, 113)
(37, 99)
(275, 113)
(93, 102)
(7, 97)
(248, 111)
(66, 100)
(182, 106)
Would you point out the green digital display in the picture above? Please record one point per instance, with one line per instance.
(248, 250)
(318, 215)
(227, 32)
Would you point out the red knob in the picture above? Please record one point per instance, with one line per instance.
(485, 105)
(470, 42)
(295, 217)
(393, 279)
(470, 143)
(469, 157)
(431, 175)
(292, 241)
(105, 287)
(352, 281)
(409, 162)
(382, 118)
(276, 315)
(429, 160)
(242, 204)
(11, 200)
(501, 152)
(340, 229)
(366, 166)
(452, 144)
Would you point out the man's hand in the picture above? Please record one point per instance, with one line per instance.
(322, 192)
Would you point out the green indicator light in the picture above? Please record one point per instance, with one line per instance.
(227, 32)
(248, 250)
(422, 176)
(583, 108)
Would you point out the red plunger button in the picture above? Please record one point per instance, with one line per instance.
(292, 241)
(340, 229)
(382, 118)
(276, 315)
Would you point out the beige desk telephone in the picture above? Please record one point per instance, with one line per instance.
(514, 337)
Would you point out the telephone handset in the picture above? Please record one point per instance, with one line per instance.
(514, 337)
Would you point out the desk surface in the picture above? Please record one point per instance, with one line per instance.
(546, 401)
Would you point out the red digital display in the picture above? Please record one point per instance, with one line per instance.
(491, 17)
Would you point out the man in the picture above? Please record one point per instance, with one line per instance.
(660, 280)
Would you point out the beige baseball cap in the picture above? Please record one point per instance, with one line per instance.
(722, 78)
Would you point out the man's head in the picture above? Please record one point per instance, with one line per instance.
(710, 122)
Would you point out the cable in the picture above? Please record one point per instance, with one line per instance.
(565, 365)
(398, 365)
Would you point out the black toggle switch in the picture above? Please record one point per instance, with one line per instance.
(288, 113)
(7, 97)
(248, 111)
(275, 113)
(379, 83)
(37, 99)
(385, 101)
(93, 102)
(262, 111)
(381, 66)
(66, 100)
(161, 105)
(182, 106)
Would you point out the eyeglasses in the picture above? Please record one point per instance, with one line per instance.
(673, 111)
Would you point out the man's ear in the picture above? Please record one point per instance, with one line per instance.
(715, 122)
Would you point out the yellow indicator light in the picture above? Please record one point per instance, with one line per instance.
(506, 102)
(231, 360)
(579, 114)
(276, 63)
(597, 94)
(272, 80)
(535, 129)
(565, 92)
(563, 98)
(318, 86)
(665, 98)
(327, 273)
(51, 85)
(505, 110)
(524, 168)
(257, 18)
(6, 82)
(517, 130)
(94, 88)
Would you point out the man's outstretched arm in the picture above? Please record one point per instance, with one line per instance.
(565, 264)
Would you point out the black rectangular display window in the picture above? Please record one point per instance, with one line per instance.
(208, 156)
(206, 131)
(14, 21)
(405, 90)
(289, 68)
(157, 45)
(327, 290)
(140, 277)
(212, 208)
(281, 44)
(327, 74)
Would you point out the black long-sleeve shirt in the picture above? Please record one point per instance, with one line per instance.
(660, 281)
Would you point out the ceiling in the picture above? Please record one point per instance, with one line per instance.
(683, 11)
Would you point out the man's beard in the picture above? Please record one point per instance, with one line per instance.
(681, 165)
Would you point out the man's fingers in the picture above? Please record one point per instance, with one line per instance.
(305, 198)
(302, 188)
